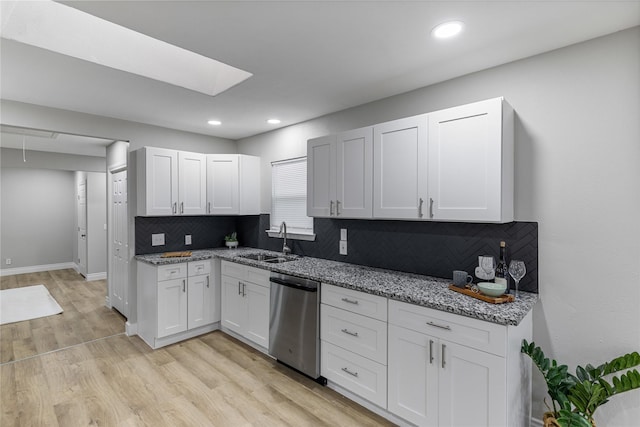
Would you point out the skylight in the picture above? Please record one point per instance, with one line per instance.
(63, 29)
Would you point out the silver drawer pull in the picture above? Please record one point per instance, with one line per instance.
(447, 327)
(444, 362)
(348, 332)
(354, 374)
(431, 352)
(350, 301)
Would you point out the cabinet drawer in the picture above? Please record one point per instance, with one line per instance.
(359, 334)
(357, 302)
(197, 268)
(172, 271)
(355, 373)
(485, 336)
(245, 272)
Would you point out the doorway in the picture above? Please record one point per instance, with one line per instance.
(82, 228)
(119, 277)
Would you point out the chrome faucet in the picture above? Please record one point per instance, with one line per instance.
(285, 249)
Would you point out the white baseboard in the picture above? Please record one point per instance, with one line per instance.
(130, 329)
(36, 268)
(96, 276)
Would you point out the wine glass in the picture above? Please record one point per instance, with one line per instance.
(488, 265)
(517, 270)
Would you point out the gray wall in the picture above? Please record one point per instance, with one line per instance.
(12, 158)
(96, 223)
(577, 175)
(37, 217)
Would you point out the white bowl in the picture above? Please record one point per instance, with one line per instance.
(492, 289)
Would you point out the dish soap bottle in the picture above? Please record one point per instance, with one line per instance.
(502, 269)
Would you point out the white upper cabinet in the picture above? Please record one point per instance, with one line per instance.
(157, 181)
(471, 162)
(321, 176)
(400, 168)
(339, 175)
(192, 183)
(233, 184)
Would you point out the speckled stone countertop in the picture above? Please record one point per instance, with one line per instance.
(427, 291)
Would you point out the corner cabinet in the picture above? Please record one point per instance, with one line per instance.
(177, 301)
(233, 184)
(339, 175)
(471, 156)
(245, 302)
(450, 370)
(170, 182)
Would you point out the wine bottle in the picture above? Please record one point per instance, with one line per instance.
(502, 270)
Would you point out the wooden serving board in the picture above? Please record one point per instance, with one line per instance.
(176, 254)
(493, 300)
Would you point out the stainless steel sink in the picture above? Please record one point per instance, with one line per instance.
(270, 259)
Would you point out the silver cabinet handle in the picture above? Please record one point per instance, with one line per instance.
(348, 332)
(355, 374)
(350, 301)
(447, 327)
(239, 282)
(420, 202)
(173, 209)
(244, 288)
(207, 281)
(430, 207)
(337, 207)
(184, 285)
(443, 361)
(330, 207)
(431, 352)
(209, 207)
(181, 207)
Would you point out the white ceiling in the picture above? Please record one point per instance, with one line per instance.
(308, 58)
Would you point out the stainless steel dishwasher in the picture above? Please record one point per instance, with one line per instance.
(294, 323)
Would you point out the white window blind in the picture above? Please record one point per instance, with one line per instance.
(289, 196)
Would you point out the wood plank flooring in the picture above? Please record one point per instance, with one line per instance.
(81, 370)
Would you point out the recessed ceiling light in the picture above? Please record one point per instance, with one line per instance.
(214, 122)
(447, 29)
(273, 121)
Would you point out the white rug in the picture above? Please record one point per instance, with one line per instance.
(26, 303)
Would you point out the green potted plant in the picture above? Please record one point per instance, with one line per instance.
(575, 398)
(231, 240)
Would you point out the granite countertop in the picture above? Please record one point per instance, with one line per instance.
(426, 291)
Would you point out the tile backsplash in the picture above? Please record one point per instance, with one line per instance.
(430, 248)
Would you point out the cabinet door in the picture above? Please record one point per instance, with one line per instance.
(222, 184)
(172, 307)
(465, 163)
(192, 183)
(472, 387)
(257, 306)
(413, 376)
(161, 181)
(400, 168)
(249, 185)
(199, 301)
(233, 307)
(354, 168)
(321, 176)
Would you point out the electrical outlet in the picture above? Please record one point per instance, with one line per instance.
(157, 239)
(343, 247)
(187, 239)
(343, 234)
(7, 261)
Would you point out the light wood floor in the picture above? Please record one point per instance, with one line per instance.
(83, 371)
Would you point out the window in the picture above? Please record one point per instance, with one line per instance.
(289, 199)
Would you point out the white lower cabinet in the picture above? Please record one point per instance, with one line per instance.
(245, 302)
(353, 333)
(177, 301)
(438, 378)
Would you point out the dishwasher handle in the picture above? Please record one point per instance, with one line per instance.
(289, 284)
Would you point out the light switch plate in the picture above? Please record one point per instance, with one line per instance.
(157, 239)
(187, 239)
(343, 247)
(343, 234)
